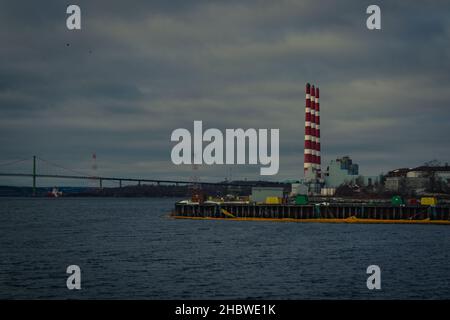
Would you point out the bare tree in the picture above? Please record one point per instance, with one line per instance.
(432, 163)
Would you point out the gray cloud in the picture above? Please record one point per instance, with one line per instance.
(136, 72)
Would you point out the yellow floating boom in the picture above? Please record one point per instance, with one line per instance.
(321, 220)
(225, 212)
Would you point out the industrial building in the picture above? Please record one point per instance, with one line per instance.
(418, 180)
(341, 171)
(260, 194)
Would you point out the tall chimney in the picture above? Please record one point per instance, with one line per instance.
(317, 107)
(312, 157)
(308, 150)
(313, 128)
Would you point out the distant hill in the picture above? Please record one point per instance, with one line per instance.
(140, 191)
(12, 191)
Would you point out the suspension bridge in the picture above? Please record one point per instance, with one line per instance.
(78, 175)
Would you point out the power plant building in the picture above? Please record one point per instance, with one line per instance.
(341, 171)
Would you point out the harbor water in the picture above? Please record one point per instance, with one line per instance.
(129, 248)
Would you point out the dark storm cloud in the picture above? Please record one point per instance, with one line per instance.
(137, 71)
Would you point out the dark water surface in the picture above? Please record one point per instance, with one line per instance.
(128, 248)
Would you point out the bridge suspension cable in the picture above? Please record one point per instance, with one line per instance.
(13, 162)
(65, 168)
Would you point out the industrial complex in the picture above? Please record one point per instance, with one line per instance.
(313, 197)
(339, 171)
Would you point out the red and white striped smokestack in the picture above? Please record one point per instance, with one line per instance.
(308, 134)
(312, 157)
(317, 107)
(313, 128)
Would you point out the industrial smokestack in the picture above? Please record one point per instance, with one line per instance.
(308, 150)
(318, 159)
(313, 127)
(312, 158)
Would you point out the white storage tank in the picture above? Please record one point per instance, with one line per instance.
(327, 192)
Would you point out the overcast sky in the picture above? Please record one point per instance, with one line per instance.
(140, 69)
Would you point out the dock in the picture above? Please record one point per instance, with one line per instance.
(331, 213)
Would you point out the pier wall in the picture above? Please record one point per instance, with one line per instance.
(310, 212)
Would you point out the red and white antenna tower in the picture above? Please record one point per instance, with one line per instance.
(94, 170)
(94, 163)
(195, 186)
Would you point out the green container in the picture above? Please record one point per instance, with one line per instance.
(397, 201)
(301, 199)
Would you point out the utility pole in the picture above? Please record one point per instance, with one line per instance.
(34, 176)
